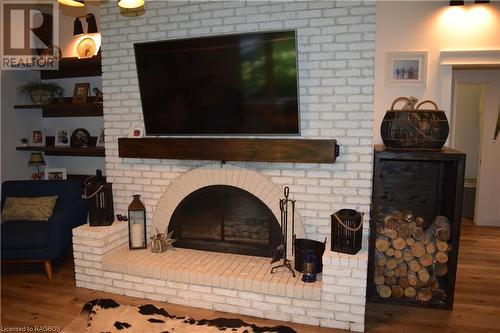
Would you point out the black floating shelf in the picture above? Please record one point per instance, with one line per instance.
(74, 67)
(67, 151)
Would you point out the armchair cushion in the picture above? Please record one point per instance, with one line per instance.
(28, 208)
(24, 235)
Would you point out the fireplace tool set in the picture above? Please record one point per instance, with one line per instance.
(281, 251)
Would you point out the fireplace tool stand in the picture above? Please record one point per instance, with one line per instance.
(284, 204)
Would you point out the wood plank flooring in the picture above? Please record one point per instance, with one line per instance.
(29, 299)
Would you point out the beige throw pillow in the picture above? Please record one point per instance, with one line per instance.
(28, 209)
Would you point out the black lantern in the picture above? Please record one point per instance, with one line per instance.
(99, 195)
(137, 224)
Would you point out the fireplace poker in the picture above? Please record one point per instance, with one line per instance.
(284, 232)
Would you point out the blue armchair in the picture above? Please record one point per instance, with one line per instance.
(36, 241)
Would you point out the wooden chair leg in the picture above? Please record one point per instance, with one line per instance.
(48, 269)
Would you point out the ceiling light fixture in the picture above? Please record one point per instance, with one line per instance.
(130, 4)
(482, 1)
(72, 3)
(456, 3)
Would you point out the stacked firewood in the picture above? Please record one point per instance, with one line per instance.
(411, 256)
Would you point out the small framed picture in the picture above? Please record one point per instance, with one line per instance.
(406, 68)
(55, 174)
(62, 137)
(101, 139)
(81, 92)
(38, 137)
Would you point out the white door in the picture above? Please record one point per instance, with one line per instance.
(487, 205)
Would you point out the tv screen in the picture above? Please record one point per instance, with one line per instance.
(242, 84)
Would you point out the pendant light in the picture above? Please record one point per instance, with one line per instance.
(72, 3)
(130, 4)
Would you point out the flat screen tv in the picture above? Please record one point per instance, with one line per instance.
(243, 84)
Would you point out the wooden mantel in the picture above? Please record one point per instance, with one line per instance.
(231, 149)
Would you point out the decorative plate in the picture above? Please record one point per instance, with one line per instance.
(80, 138)
(86, 48)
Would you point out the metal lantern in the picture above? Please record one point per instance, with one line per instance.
(137, 224)
(99, 195)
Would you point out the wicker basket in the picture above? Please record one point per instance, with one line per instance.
(347, 231)
(422, 129)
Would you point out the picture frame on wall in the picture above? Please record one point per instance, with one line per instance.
(406, 68)
(37, 137)
(55, 174)
(81, 92)
(62, 137)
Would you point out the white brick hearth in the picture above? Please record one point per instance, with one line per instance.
(220, 281)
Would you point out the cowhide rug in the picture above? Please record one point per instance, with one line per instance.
(106, 315)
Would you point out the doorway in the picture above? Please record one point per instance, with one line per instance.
(475, 119)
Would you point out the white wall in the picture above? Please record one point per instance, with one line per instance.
(18, 123)
(431, 26)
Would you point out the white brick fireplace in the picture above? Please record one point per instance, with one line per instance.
(335, 44)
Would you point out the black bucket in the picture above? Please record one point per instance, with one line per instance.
(301, 246)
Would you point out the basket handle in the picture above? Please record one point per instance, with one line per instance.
(427, 101)
(346, 226)
(399, 99)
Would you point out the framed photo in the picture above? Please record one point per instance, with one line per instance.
(55, 174)
(81, 92)
(406, 68)
(101, 139)
(62, 137)
(37, 137)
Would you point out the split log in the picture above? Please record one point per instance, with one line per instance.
(441, 225)
(391, 280)
(404, 231)
(380, 259)
(430, 247)
(412, 278)
(410, 241)
(382, 244)
(397, 291)
(418, 234)
(398, 215)
(398, 243)
(384, 291)
(379, 280)
(426, 260)
(391, 233)
(392, 222)
(423, 275)
(403, 282)
(440, 269)
(401, 270)
(408, 216)
(407, 256)
(442, 246)
(389, 272)
(417, 249)
(390, 252)
(412, 225)
(398, 254)
(432, 283)
(439, 295)
(441, 257)
(424, 295)
(399, 260)
(410, 292)
(419, 221)
(391, 264)
(414, 266)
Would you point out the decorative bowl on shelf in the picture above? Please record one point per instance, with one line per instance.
(80, 138)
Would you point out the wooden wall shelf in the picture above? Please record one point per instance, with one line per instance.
(74, 67)
(66, 109)
(231, 149)
(67, 151)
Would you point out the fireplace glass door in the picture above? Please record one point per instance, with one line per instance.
(225, 219)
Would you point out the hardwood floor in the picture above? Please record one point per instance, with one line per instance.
(29, 299)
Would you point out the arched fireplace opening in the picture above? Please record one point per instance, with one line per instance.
(224, 218)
